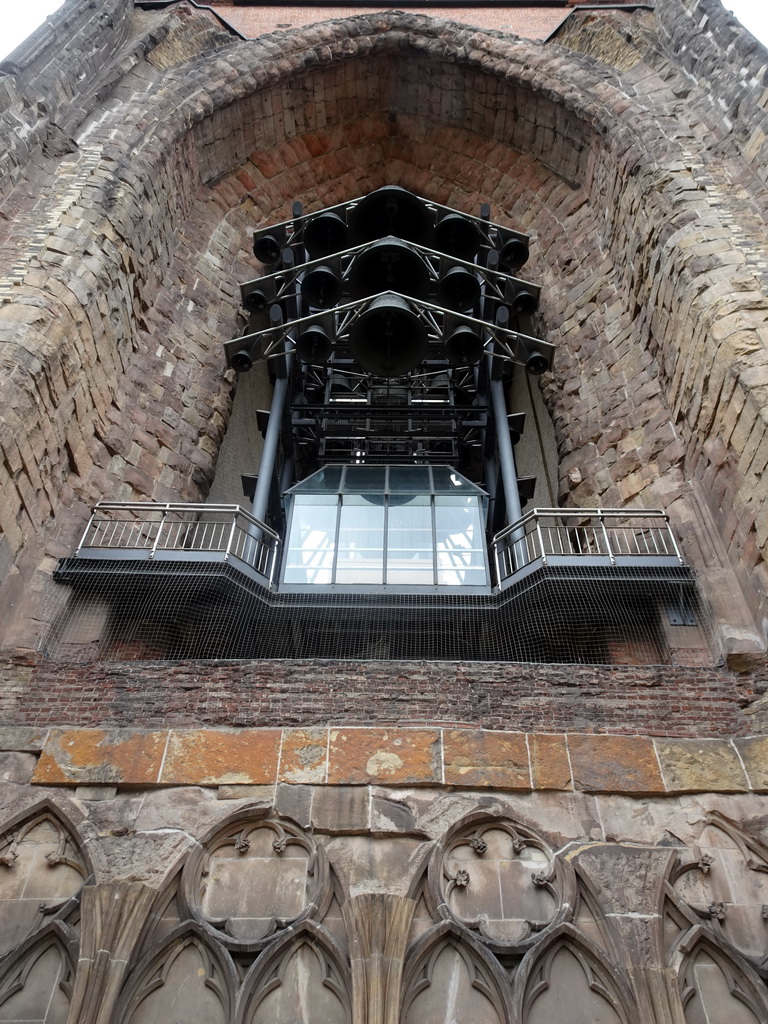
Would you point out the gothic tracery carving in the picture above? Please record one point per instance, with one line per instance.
(723, 883)
(186, 979)
(499, 879)
(36, 980)
(451, 976)
(42, 870)
(570, 982)
(300, 979)
(716, 985)
(253, 878)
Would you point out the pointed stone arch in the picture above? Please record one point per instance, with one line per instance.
(716, 983)
(302, 978)
(496, 99)
(188, 978)
(37, 978)
(569, 980)
(451, 975)
(45, 865)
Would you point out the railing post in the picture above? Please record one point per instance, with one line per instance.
(85, 533)
(497, 559)
(672, 537)
(606, 538)
(160, 525)
(272, 563)
(541, 538)
(228, 549)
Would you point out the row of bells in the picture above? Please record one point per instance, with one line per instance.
(392, 265)
(393, 211)
(389, 339)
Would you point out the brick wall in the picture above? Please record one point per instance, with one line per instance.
(662, 701)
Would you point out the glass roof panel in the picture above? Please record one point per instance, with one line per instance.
(386, 479)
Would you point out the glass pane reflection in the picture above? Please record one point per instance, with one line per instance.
(410, 548)
(311, 543)
(360, 556)
(372, 538)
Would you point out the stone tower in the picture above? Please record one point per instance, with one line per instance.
(228, 798)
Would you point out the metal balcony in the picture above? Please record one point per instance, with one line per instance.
(200, 581)
(640, 538)
(154, 532)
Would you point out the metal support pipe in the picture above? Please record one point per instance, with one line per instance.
(269, 451)
(508, 470)
(506, 453)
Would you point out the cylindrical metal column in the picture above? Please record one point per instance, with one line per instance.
(269, 451)
(508, 472)
(506, 452)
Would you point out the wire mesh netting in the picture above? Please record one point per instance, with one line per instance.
(120, 610)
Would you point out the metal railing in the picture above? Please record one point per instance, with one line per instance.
(160, 530)
(597, 536)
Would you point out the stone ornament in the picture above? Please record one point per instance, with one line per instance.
(499, 879)
(42, 870)
(253, 926)
(253, 878)
(725, 885)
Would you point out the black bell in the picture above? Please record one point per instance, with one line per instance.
(324, 235)
(457, 236)
(521, 301)
(257, 300)
(267, 248)
(391, 211)
(458, 289)
(513, 254)
(388, 339)
(321, 288)
(389, 266)
(536, 364)
(464, 347)
(313, 345)
(241, 361)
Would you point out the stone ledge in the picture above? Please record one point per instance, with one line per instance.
(398, 756)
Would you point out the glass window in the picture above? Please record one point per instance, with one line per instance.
(395, 525)
(459, 542)
(410, 549)
(365, 478)
(312, 539)
(409, 479)
(360, 554)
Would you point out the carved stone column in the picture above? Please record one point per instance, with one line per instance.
(112, 916)
(378, 925)
(629, 880)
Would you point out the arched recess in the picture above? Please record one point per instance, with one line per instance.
(717, 984)
(722, 884)
(450, 976)
(188, 978)
(500, 879)
(253, 877)
(43, 867)
(569, 980)
(302, 978)
(587, 165)
(36, 979)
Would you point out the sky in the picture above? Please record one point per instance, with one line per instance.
(25, 16)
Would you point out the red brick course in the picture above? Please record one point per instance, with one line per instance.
(621, 700)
